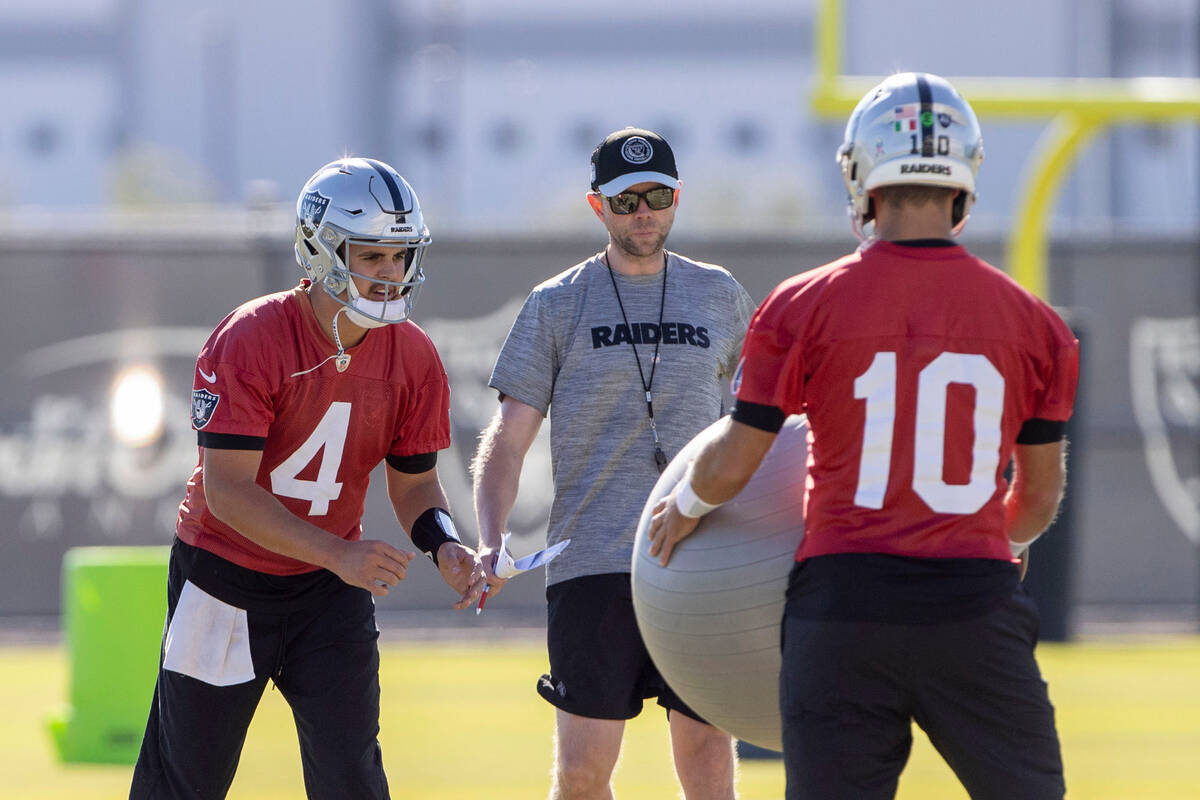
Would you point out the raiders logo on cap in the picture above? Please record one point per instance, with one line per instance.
(632, 155)
(637, 150)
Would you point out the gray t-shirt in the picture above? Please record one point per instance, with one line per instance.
(570, 352)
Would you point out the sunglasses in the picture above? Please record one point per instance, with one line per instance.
(657, 199)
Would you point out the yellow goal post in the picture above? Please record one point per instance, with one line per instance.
(1077, 107)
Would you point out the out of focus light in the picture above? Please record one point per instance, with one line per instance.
(136, 408)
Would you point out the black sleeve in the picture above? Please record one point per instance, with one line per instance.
(422, 462)
(230, 441)
(1041, 431)
(756, 415)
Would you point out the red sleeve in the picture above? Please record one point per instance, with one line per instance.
(1061, 380)
(772, 368)
(424, 425)
(240, 397)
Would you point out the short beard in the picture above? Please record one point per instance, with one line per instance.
(629, 247)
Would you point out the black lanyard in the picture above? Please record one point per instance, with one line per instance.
(660, 458)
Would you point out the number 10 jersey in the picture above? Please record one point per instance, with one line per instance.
(918, 368)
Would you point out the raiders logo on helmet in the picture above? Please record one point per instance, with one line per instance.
(312, 210)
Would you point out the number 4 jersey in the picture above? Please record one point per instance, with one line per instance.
(919, 368)
(321, 431)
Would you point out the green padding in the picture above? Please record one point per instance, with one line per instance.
(114, 605)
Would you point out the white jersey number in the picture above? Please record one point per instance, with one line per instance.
(329, 434)
(878, 387)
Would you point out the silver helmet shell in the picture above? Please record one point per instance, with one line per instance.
(360, 201)
(913, 128)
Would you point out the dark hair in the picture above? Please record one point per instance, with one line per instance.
(915, 194)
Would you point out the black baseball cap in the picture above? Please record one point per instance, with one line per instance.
(629, 156)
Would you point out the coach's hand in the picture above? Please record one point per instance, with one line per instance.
(371, 564)
(462, 571)
(488, 555)
(668, 528)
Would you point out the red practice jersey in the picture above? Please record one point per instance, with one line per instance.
(917, 368)
(321, 432)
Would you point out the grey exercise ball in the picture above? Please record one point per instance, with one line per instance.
(711, 617)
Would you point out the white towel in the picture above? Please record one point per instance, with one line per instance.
(208, 639)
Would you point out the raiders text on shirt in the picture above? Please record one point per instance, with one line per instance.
(649, 333)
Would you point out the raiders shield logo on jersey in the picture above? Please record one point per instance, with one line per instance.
(204, 403)
(1164, 367)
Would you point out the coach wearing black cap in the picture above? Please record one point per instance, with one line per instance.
(628, 352)
(631, 156)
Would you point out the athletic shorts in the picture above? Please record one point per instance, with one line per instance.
(850, 690)
(323, 659)
(599, 667)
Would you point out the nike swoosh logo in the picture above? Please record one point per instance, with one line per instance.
(210, 378)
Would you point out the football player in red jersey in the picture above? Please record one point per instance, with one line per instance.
(298, 396)
(924, 372)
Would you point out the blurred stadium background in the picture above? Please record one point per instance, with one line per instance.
(150, 154)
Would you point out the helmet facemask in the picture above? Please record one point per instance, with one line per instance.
(401, 294)
(339, 284)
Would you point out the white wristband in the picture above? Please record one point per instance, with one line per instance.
(1018, 548)
(686, 499)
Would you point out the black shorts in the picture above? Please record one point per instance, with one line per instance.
(850, 690)
(599, 667)
(323, 659)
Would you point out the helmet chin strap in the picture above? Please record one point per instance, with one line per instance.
(857, 225)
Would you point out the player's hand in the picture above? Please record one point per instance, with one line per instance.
(487, 556)
(1024, 563)
(668, 528)
(372, 565)
(462, 571)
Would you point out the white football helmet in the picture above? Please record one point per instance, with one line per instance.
(913, 128)
(360, 201)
